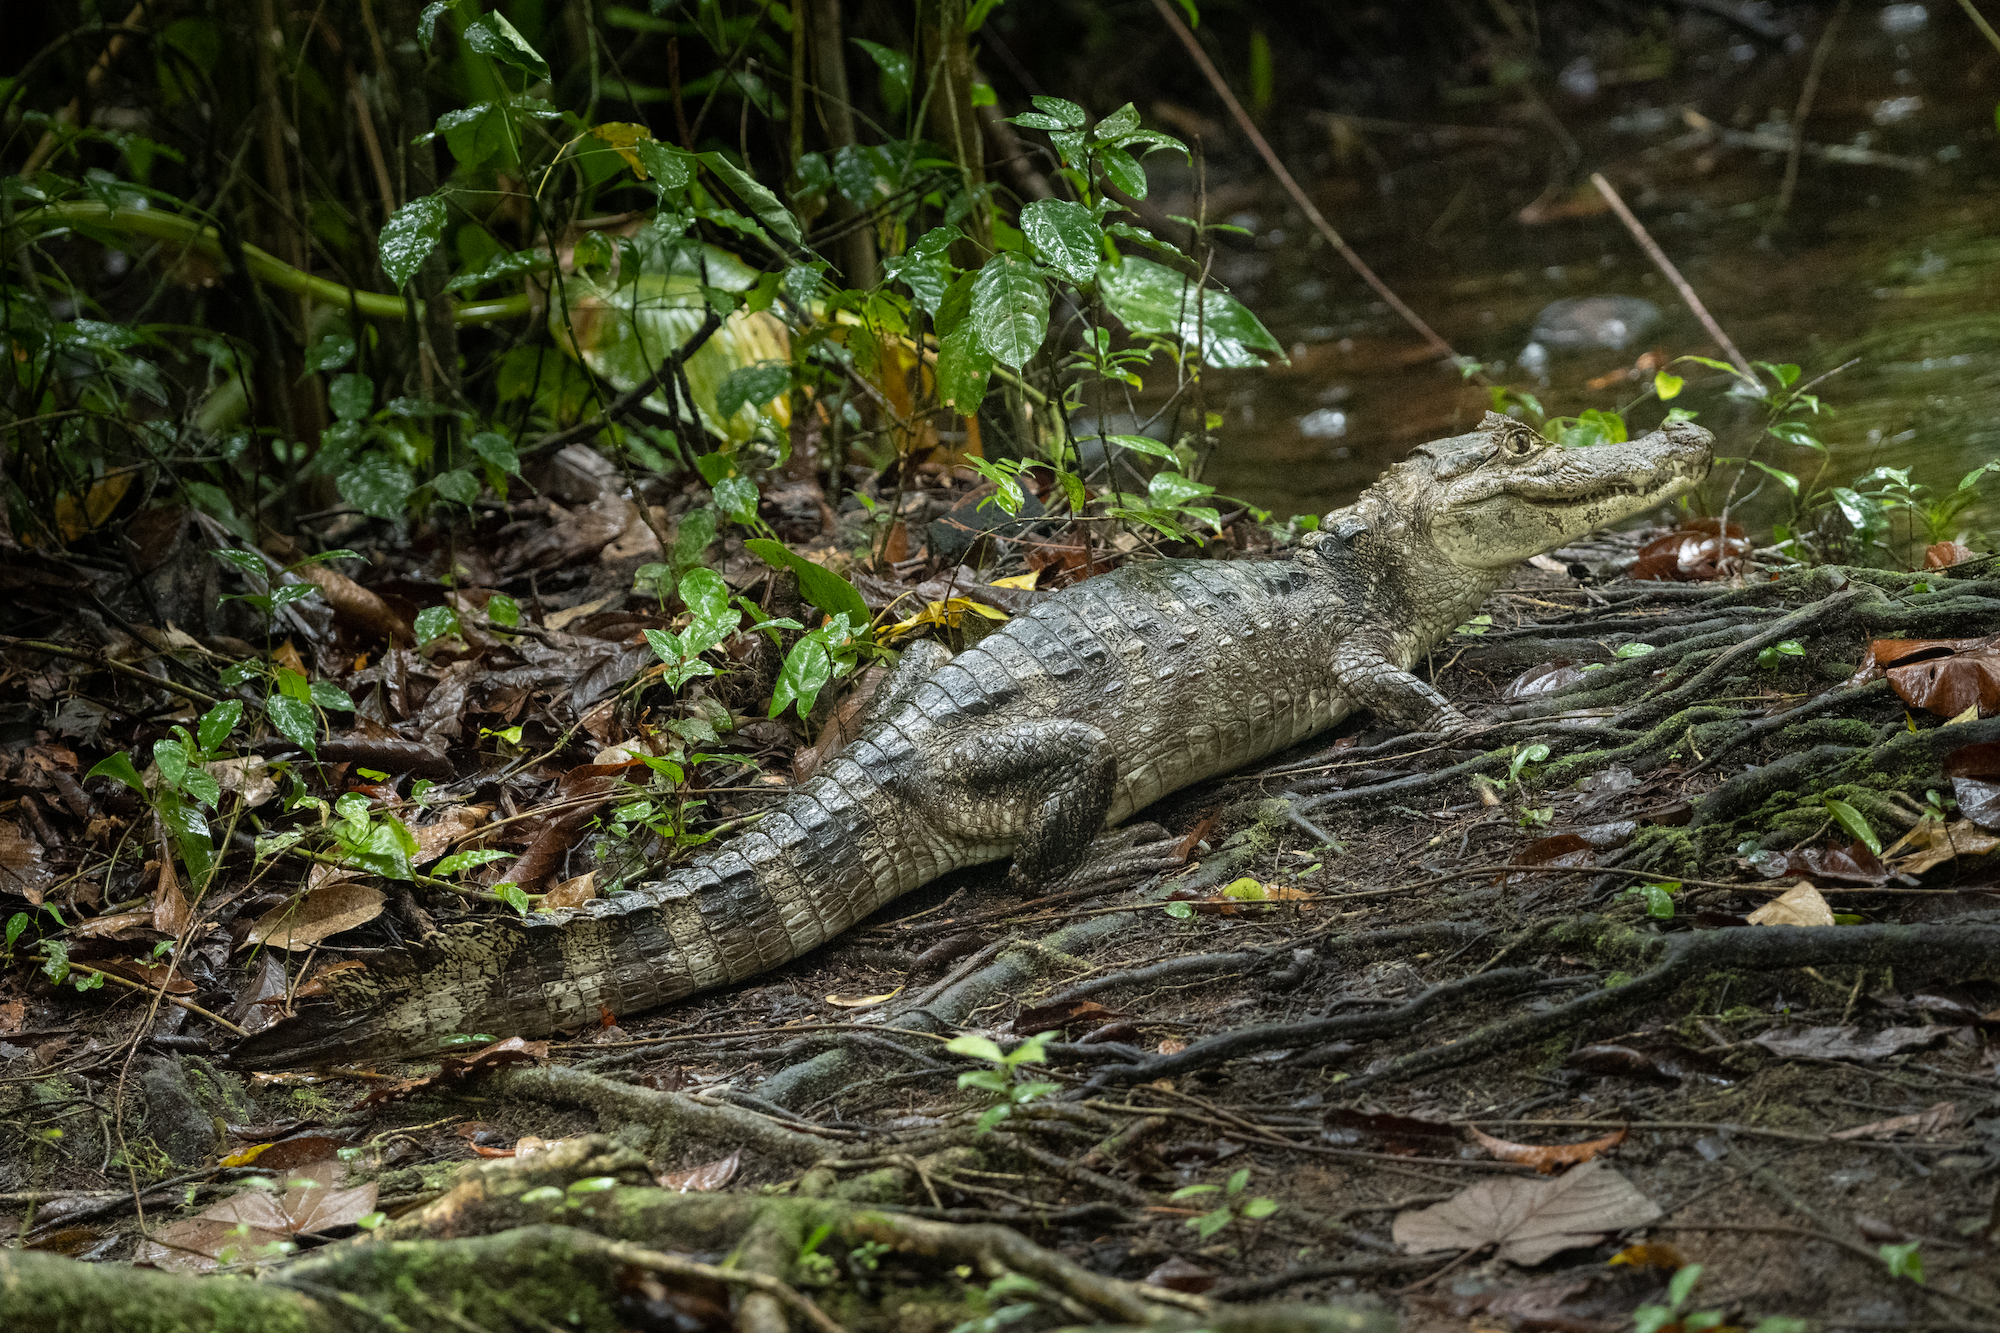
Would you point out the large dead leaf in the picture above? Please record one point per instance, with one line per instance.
(1847, 1043)
(572, 892)
(584, 791)
(170, 905)
(450, 828)
(1933, 842)
(1563, 849)
(1942, 676)
(1529, 1220)
(240, 1226)
(22, 870)
(1545, 1158)
(327, 910)
(1800, 905)
(353, 605)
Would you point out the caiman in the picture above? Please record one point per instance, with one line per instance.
(1094, 703)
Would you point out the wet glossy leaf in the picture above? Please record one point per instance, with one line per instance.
(435, 622)
(411, 234)
(752, 385)
(820, 586)
(1010, 309)
(1855, 823)
(1066, 235)
(492, 35)
(351, 396)
(293, 719)
(760, 201)
(496, 449)
(672, 168)
(377, 486)
(1149, 298)
(714, 618)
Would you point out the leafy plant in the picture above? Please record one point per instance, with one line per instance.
(183, 787)
(1773, 657)
(1006, 1083)
(1229, 1208)
(1680, 1289)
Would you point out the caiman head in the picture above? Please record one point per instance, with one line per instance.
(1492, 498)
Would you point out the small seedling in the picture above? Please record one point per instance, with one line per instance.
(1774, 657)
(1003, 1082)
(1227, 1209)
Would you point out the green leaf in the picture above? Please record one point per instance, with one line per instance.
(895, 67)
(120, 767)
(1122, 170)
(171, 758)
(1681, 1286)
(377, 485)
(1790, 482)
(1786, 375)
(218, 722)
(737, 498)
(329, 695)
(1065, 235)
(1150, 298)
(976, 1047)
(753, 385)
(458, 861)
(513, 895)
(476, 133)
(964, 369)
(1260, 1208)
(410, 235)
(1171, 490)
(1667, 386)
(1209, 1223)
(202, 785)
(1193, 1192)
(819, 585)
(715, 619)
(458, 486)
(435, 622)
(1146, 444)
(1010, 309)
(351, 396)
(496, 449)
(808, 667)
(1855, 823)
(503, 610)
(331, 352)
(671, 168)
(1180, 911)
(1711, 363)
(427, 21)
(293, 720)
(1659, 899)
(766, 206)
(492, 35)
(1067, 115)
(1797, 433)
(1628, 650)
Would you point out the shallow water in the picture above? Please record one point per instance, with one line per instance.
(1895, 270)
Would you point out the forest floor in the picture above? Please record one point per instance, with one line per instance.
(1326, 1044)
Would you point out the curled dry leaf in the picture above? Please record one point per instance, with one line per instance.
(153, 976)
(450, 828)
(1546, 1158)
(1800, 905)
(703, 1179)
(1934, 1121)
(1692, 553)
(1062, 1016)
(327, 910)
(1943, 555)
(572, 892)
(1528, 1220)
(1941, 676)
(1933, 842)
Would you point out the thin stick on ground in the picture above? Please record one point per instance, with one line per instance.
(1666, 266)
(1313, 215)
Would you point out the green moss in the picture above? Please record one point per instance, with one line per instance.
(1829, 731)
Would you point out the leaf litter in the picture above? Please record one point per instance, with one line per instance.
(1526, 1221)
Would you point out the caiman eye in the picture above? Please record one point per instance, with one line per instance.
(1520, 443)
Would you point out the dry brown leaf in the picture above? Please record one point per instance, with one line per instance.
(1934, 1121)
(249, 777)
(450, 828)
(1694, 552)
(1546, 1158)
(1800, 905)
(118, 926)
(1178, 1274)
(153, 976)
(569, 615)
(1932, 843)
(1528, 1220)
(13, 1016)
(1941, 676)
(170, 905)
(1845, 1043)
(353, 605)
(238, 1226)
(703, 1179)
(22, 870)
(1943, 555)
(326, 910)
(572, 892)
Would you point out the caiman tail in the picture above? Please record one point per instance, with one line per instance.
(828, 856)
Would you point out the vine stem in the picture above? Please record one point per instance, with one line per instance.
(1313, 215)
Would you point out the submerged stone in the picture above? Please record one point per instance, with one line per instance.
(1579, 322)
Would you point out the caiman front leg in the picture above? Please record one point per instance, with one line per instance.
(1376, 684)
(1046, 786)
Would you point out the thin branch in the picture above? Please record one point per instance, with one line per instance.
(1666, 266)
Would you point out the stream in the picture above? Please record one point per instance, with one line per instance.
(1480, 215)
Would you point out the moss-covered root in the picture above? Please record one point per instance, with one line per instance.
(51, 1294)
